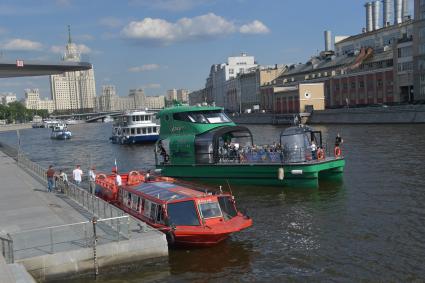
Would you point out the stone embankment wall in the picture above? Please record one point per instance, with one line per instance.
(371, 115)
(405, 114)
(14, 127)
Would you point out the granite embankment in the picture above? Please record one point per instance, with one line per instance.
(14, 127)
(404, 114)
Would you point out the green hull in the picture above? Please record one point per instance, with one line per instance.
(305, 174)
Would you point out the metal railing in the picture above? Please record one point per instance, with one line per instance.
(113, 223)
(53, 239)
(257, 156)
(7, 248)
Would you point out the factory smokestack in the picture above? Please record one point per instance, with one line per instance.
(376, 11)
(386, 19)
(328, 40)
(369, 23)
(398, 11)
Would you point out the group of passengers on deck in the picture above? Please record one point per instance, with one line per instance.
(275, 152)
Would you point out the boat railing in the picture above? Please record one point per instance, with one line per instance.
(261, 155)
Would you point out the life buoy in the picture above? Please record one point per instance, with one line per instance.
(101, 176)
(133, 178)
(320, 154)
(337, 151)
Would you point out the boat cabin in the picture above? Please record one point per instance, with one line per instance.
(163, 203)
(296, 143)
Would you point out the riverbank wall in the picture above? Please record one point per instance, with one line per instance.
(406, 114)
(65, 233)
(14, 127)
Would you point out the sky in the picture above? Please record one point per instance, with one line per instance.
(163, 44)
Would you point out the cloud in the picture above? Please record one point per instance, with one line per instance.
(151, 31)
(143, 68)
(82, 48)
(57, 49)
(254, 27)
(111, 22)
(170, 5)
(20, 44)
(152, 85)
(162, 32)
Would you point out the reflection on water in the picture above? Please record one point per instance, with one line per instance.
(367, 227)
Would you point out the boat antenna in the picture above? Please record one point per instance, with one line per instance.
(227, 181)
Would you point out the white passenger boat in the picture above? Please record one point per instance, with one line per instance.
(60, 132)
(134, 127)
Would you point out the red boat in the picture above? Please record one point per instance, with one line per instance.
(188, 217)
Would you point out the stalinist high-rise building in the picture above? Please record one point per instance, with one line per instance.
(73, 90)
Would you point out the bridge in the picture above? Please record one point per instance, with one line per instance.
(21, 68)
(96, 116)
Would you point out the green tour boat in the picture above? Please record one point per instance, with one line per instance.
(201, 143)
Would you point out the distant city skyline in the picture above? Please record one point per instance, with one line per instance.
(167, 44)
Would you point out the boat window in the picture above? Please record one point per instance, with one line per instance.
(154, 129)
(153, 211)
(139, 208)
(139, 131)
(128, 199)
(203, 117)
(159, 214)
(183, 213)
(132, 131)
(210, 210)
(227, 206)
(144, 131)
(135, 203)
(149, 130)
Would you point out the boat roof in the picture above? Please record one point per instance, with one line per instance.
(185, 108)
(296, 130)
(136, 112)
(165, 191)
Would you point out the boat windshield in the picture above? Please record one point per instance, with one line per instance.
(203, 117)
(227, 206)
(210, 210)
(183, 213)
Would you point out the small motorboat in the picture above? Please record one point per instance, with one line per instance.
(60, 132)
(187, 216)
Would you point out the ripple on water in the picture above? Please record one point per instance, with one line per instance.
(369, 227)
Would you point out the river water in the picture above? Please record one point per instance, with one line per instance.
(368, 227)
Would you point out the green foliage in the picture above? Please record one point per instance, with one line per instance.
(16, 112)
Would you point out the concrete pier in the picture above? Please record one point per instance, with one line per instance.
(66, 248)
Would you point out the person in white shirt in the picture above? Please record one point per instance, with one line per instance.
(118, 180)
(313, 149)
(92, 179)
(77, 175)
